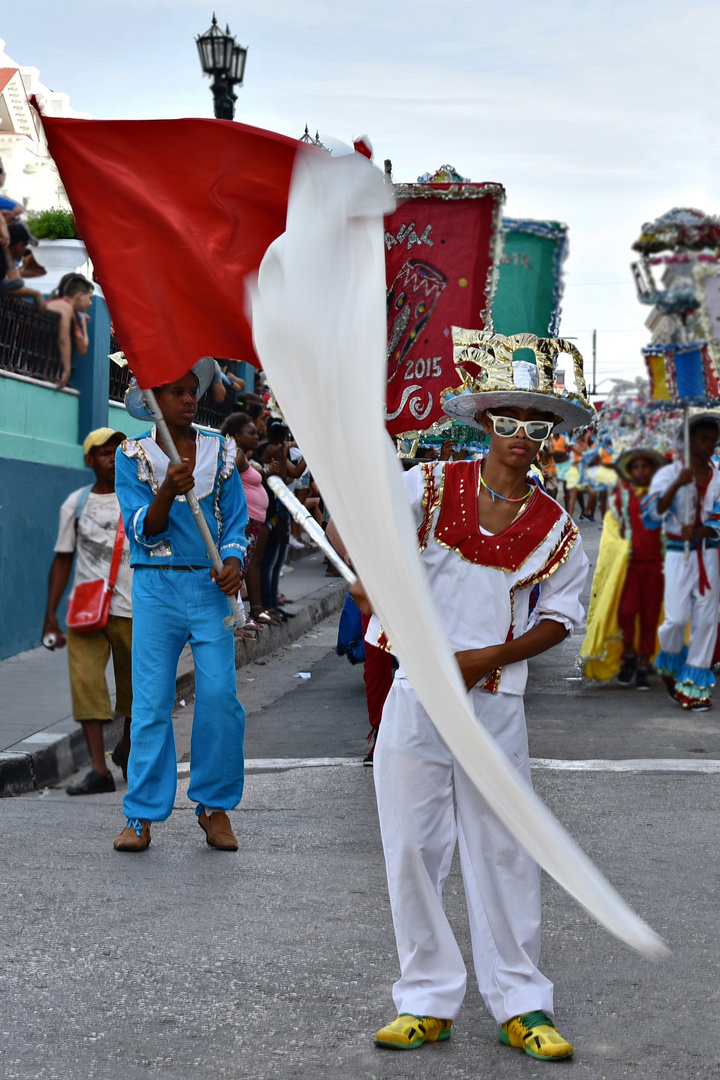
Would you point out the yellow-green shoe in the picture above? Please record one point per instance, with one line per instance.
(408, 1032)
(536, 1034)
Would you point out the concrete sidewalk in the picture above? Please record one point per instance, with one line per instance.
(40, 743)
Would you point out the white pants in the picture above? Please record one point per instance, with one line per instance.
(416, 778)
(684, 604)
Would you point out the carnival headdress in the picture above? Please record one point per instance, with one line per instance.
(493, 377)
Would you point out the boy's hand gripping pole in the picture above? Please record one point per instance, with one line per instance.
(237, 616)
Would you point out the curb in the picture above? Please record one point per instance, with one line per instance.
(316, 607)
(50, 755)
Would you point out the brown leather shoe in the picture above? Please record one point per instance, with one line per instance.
(218, 831)
(134, 837)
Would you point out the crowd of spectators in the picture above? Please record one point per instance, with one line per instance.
(266, 448)
(70, 300)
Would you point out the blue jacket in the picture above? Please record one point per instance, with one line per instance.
(141, 467)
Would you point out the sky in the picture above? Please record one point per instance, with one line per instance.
(598, 114)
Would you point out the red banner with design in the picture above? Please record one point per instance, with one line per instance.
(440, 247)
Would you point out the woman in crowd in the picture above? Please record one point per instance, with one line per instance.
(242, 429)
(276, 450)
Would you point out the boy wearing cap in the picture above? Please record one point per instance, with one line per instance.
(488, 538)
(178, 597)
(88, 525)
(692, 584)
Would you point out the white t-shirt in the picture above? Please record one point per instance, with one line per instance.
(94, 540)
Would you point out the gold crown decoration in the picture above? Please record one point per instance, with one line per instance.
(492, 376)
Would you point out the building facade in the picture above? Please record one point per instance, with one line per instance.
(31, 176)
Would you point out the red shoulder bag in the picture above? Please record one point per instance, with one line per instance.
(89, 604)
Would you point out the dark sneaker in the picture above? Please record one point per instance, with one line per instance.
(627, 671)
(120, 759)
(94, 783)
(700, 706)
(641, 679)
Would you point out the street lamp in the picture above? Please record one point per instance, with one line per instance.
(224, 61)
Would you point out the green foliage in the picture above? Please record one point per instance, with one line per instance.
(55, 224)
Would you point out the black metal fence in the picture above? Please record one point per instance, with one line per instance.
(119, 376)
(29, 346)
(29, 340)
(210, 413)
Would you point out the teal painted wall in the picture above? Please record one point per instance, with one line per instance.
(120, 421)
(31, 494)
(38, 423)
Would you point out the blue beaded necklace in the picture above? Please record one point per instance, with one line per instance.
(505, 498)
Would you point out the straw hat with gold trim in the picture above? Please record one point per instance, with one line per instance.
(492, 377)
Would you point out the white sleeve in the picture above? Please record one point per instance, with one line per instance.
(67, 533)
(659, 484)
(560, 594)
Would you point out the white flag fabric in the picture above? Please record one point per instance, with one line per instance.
(319, 327)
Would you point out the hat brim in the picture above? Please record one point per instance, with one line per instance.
(135, 402)
(622, 465)
(463, 407)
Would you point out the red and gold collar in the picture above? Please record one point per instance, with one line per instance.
(458, 525)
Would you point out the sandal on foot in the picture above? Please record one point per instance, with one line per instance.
(263, 617)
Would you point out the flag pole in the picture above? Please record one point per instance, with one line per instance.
(308, 522)
(237, 617)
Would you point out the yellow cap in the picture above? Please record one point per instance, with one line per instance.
(99, 437)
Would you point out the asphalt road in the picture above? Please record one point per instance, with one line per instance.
(277, 962)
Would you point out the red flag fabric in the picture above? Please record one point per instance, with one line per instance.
(175, 214)
(439, 258)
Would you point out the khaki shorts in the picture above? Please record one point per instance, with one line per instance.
(88, 655)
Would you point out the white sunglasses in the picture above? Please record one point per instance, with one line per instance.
(507, 426)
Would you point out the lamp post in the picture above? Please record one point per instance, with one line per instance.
(224, 61)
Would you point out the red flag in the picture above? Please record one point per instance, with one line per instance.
(174, 214)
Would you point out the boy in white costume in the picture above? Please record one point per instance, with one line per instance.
(488, 538)
(692, 585)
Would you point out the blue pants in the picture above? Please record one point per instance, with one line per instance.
(170, 608)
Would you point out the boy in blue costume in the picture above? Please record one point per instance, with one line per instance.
(178, 597)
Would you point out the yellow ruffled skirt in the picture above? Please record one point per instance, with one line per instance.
(602, 650)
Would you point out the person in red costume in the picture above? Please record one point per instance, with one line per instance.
(642, 594)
